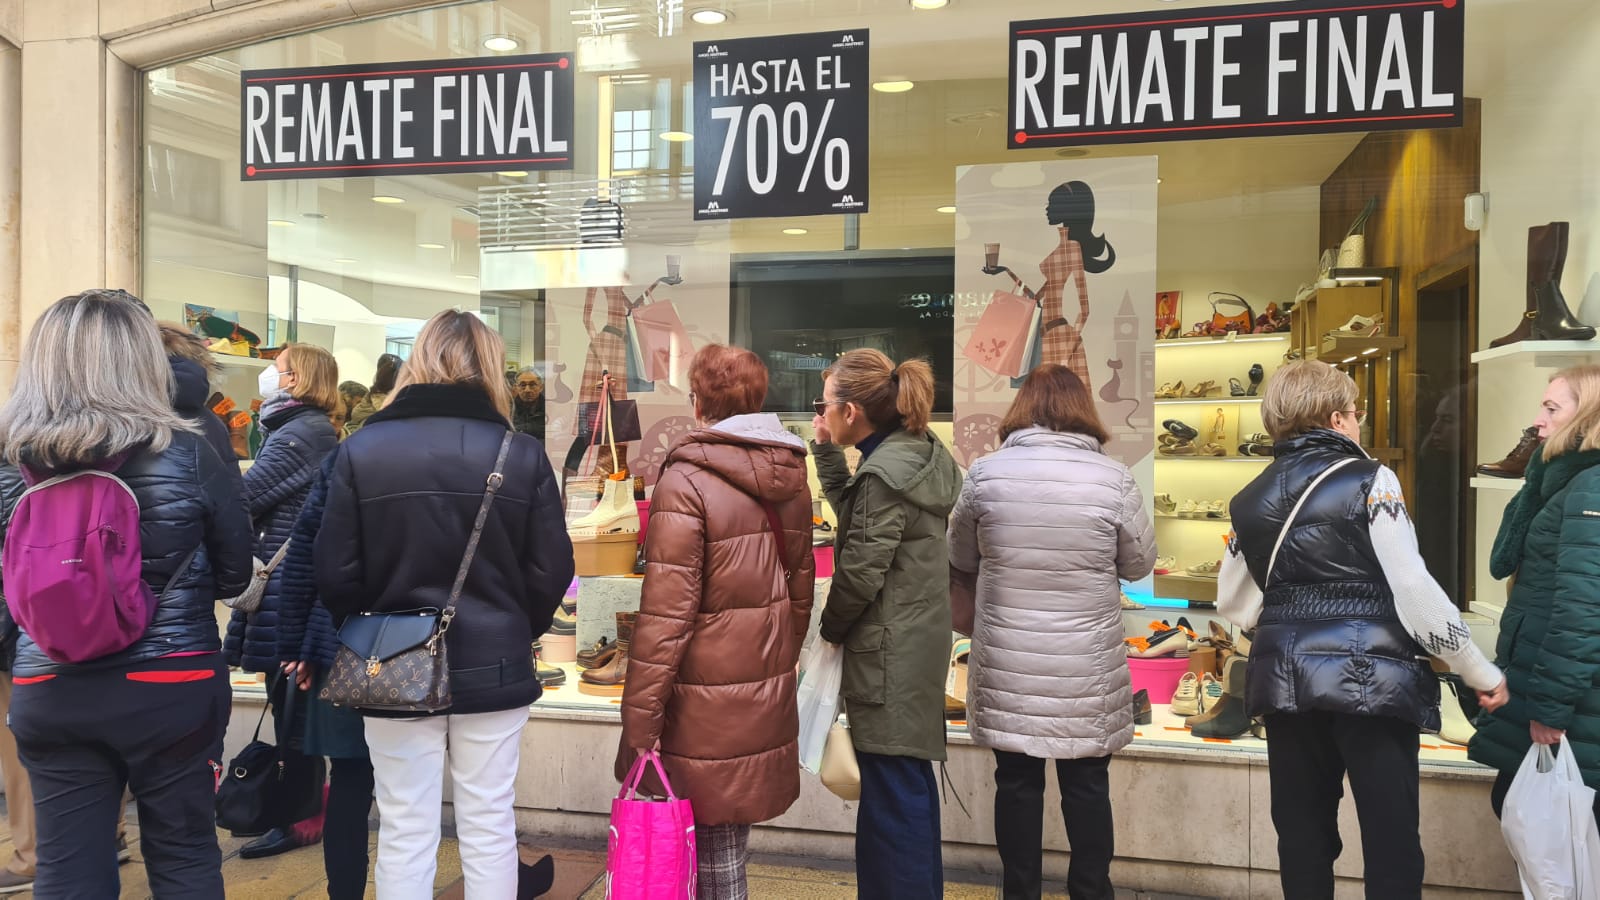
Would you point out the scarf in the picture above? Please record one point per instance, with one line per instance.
(277, 402)
(1542, 481)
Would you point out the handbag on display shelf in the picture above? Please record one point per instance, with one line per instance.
(1241, 322)
(1004, 333)
(661, 336)
(398, 661)
(625, 426)
(1353, 249)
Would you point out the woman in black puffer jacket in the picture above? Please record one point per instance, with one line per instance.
(151, 716)
(297, 390)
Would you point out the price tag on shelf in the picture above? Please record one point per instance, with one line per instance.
(780, 126)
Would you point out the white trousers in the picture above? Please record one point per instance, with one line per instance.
(408, 764)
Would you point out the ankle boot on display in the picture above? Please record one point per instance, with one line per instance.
(1143, 714)
(616, 514)
(613, 673)
(1515, 462)
(1227, 719)
(597, 655)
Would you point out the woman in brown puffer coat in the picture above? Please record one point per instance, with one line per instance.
(711, 671)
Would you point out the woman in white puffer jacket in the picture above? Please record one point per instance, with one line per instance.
(1046, 526)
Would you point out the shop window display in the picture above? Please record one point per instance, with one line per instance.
(1175, 277)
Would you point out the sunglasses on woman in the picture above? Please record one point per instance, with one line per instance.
(821, 405)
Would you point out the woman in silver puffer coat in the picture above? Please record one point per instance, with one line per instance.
(1046, 526)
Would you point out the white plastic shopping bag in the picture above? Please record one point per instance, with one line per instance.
(821, 670)
(1548, 823)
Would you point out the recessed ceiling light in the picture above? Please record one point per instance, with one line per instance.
(345, 259)
(676, 137)
(501, 43)
(893, 87)
(710, 16)
(468, 277)
(512, 174)
(795, 231)
(947, 210)
(929, 4)
(382, 198)
(430, 245)
(280, 223)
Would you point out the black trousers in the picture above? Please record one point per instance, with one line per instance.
(156, 728)
(1308, 756)
(1019, 824)
(344, 835)
(898, 843)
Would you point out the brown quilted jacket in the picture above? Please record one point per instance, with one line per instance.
(711, 673)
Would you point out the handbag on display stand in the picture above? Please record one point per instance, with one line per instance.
(605, 540)
(1353, 249)
(398, 661)
(1241, 322)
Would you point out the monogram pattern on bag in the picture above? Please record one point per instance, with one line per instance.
(413, 681)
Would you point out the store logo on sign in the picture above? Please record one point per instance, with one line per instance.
(848, 40)
(714, 208)
(712, 51)
(848, 201)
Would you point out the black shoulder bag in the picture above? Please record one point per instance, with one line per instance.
(396, 662)
(261, 789)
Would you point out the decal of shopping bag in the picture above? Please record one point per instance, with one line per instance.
(638, 382)
(1005, 331)
(661, 338)
(651, 852)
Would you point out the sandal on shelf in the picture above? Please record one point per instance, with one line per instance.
(1180, 429)
(1211, 450)
(1180, 448)
(1203, 389)
(1256, 375)
(1234, 388)
(1166, 392)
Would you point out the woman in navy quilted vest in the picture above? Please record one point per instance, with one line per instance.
(151, 715)
(297, 390)
(1323, 564)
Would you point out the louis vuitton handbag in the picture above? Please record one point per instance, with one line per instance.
(397, 662)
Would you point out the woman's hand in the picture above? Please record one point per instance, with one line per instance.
(820, 431)
(300, 672)
(1544, 734)
(1493, 700)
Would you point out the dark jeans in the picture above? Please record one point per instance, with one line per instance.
(156, 728)
(1019, 824)
(1502, 784)
(344, 836)
(1308, 755)
(898, 845)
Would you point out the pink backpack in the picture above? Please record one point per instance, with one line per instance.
(72, 566)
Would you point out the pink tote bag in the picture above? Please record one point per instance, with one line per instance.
(651, 853)
(1005, 330)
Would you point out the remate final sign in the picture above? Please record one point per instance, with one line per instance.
(1269, 68)
(409, 118)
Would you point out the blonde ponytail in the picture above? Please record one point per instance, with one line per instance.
(915, 399)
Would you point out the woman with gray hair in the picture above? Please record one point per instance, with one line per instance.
(1323, 564)
(150, 716)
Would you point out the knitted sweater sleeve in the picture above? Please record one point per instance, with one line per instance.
(1421, 603)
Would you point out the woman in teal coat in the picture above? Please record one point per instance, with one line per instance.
(1549, 543)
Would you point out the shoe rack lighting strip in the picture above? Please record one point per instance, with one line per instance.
(1173, 343)
(1205, 401)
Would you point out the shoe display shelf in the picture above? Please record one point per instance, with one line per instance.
(1484, 483)
(1542, 354)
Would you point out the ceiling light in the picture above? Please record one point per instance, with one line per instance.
(710, 16)
(345, 259)
(382, 198)
(795, 231)
(676, 137)
(501, 43)
(280, 223)
(947, 210)
(929, 4)
(893, 87)
(430, 245)
(512, 174)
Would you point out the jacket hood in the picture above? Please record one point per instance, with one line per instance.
(1044, 437)
(193, 386)
(918, 468)
(753, 453)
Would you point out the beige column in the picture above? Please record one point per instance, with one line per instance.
(10, 210)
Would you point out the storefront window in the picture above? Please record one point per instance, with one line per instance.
(1362, 249)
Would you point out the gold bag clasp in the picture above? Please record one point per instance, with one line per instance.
(373, 666)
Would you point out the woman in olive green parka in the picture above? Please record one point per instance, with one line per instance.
(890, 607)
(1549, 540)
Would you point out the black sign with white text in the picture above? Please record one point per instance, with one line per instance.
(1271, 68)
(780, 126)
(409, 118)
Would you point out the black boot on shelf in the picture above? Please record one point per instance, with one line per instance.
(1553, 319)
(1227, 718)
(1524, 329)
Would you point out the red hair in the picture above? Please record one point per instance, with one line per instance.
(727, 382)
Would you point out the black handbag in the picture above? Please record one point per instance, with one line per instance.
(262, 790)
(398, 661)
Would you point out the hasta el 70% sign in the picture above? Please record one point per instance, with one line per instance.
(781, 126)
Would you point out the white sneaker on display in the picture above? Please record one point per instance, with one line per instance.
(1186, 699)
(616, 513)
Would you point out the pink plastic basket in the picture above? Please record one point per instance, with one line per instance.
(1158, 676)
(824, 559)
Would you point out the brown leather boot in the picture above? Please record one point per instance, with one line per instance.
(1516, 462)
(1538, 270)
(616, 671)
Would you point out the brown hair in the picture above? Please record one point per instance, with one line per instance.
(455, 347)
(727, 381)
(182, 343)
(890, 395)
(1302, 396)
(316, 375)
(1054, 397)
(1582, 431)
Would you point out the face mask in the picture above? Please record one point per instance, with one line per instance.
(267, 381)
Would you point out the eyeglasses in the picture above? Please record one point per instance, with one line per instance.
(821, 405)
(1360, 414)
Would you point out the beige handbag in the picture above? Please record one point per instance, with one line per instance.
(839, 772)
